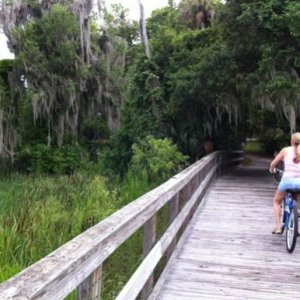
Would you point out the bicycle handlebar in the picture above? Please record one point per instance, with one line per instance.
(276, 171)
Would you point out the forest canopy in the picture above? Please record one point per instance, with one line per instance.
(82, 86)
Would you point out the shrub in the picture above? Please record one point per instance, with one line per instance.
(274, 139)
(158, 159)
(94, 134)
(43, 159)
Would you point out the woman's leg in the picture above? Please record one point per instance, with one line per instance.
(279, 196)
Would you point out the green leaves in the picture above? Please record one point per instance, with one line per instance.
(40, 213)
(41, 159)
(292, 17)
(117, 23)
(50, 42)
(157, 159)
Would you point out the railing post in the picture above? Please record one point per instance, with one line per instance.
(173, 212)
(90, 289)
(185, 194)
(149, 241)
(220, 161)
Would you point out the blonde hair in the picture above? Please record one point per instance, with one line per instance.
(295, 140)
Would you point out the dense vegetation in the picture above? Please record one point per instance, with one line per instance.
(82, 102)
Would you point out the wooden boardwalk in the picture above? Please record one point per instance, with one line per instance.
(228, 251)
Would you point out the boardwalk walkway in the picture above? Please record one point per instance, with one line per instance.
(228, 251)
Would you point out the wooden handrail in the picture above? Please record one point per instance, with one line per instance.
(78, 263)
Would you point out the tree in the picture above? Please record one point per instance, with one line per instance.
(72, 72)
(141, 113)
(263, 39)
(198, 14)
(117, 24)
(143, 30)
(10, 109)
(198, 75)
(48, 53)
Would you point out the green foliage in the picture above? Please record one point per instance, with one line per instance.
(254, 147)
(263, 38)
(233, 77)
(12, 96)
(143, 107)
(41, 159)
(165, 29)
(47, 56)
(162, 20)
(274, 139)
(141, 113)
(190, 8)
(94, 135)
(202, 97)
(38, 214)
(156, 159)
(118, 153)
(201, 81)
(292, 17)
(269, 129)
(6, 67)
(50, 43)
(117, 23)
(66, 77)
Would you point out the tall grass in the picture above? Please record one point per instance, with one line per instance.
(38, 214)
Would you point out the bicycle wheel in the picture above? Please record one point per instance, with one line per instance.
(292, 230)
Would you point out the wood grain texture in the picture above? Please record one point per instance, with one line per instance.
(173, 211)
(59, 273)
(141, 275)
(148, 242)
(228, 251)
(90, 289)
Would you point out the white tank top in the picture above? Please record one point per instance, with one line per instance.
(291, 169)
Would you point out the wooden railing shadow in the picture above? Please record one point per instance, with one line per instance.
(78, 263)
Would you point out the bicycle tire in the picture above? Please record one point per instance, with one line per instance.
(292, 230)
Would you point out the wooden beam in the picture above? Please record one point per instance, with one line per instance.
(59, 273)
(148, 242)
(90, 289)
(141, 275)
(173, 212)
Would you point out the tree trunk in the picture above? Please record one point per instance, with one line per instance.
(143, 30)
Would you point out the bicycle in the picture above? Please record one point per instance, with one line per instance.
(289, 214)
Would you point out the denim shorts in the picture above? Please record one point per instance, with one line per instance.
(289, 183)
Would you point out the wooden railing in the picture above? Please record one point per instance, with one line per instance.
(78, 263)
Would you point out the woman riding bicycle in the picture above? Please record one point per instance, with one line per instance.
(291, 176)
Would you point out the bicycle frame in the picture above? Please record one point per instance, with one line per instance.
(290, 220)
(289, 215)
(289, 204)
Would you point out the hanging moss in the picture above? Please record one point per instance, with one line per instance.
(69, 77)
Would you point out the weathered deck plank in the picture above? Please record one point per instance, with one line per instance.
(228, 251)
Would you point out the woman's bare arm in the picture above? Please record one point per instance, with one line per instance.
(277, 159)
